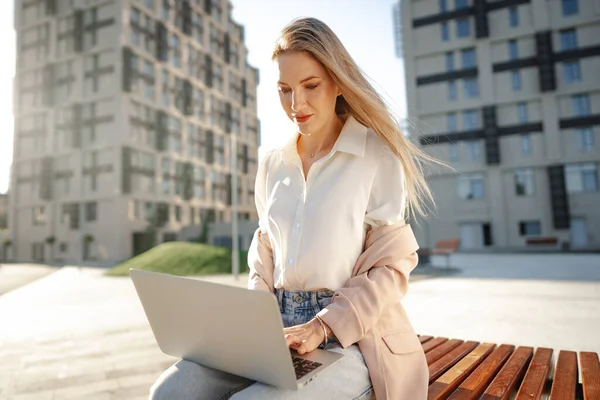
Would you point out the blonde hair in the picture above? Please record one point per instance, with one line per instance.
(360, 100)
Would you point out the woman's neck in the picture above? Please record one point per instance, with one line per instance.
(323, 138)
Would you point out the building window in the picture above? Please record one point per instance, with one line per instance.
(513, 50)
(526, 147)
(471, 88)
(234, 54)
(166, 89)
(39, 216)
(513, 16)
(91, 211)
(581, 177)
(166, 10)
(216, 10)
(522, 112)
(218, 77)
(443, 6)
(571, 71)
(585, 139)
(134, 19)
(453, 152)
(445, 32)
(530, 228)
(516, 80)
(175, 50)
(568, 39)
(451, 120)
(570, 7)
(470, 120)
(135, 210)
(468, 58)
(178, 213)
(524, 185)
(580, 105)
(141, 27)
(470, 187)
(472, 150)
(451, 90)
(463, 28)
(458, 4)
(449, 61)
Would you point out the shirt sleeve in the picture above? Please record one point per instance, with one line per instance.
(387, 202)
(260, 253)
(260, 193)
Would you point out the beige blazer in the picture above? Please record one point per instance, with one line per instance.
(368, 309)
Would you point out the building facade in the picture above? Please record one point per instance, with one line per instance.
(507, 92)
(124, 114)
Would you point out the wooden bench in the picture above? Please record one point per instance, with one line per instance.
(460, 370)
(446, 247)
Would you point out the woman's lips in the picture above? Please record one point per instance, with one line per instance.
(302, 118)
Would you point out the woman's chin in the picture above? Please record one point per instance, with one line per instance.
(303, 129)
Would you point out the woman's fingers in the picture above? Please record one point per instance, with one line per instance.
(293, 340)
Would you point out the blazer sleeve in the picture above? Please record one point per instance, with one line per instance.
(381, 276)
(260, 253)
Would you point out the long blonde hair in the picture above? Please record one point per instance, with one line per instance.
(360, 100)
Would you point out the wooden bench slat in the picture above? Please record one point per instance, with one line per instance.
(509, 376)
(441, 350)
(475, 384)
(448, 382)
(432, 344)
(442, 365)
(564, 384)
(424, 339)
(590, 375)
(533, 385)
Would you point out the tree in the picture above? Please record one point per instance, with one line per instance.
(50, 240)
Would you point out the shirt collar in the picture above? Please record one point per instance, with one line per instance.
(352, 140)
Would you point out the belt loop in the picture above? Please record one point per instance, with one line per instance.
(313, 298)
(280, 296)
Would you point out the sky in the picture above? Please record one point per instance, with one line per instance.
(365, 27)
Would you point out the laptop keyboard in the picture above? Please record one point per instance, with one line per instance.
(303, 367)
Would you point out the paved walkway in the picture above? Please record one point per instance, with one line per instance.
(80, 334)
(13, 276)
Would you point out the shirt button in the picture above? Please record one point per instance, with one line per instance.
(297, 226)
(291, 261)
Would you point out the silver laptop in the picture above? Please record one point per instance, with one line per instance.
(227, 328)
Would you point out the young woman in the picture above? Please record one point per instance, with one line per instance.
(332, 242)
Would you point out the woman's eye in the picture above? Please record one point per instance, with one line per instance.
(284, 90)
(312, 87)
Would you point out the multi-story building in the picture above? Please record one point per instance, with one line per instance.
(507, 92)
(124, 114)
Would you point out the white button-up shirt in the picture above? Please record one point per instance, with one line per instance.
(317, 227)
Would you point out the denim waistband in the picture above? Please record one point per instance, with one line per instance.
(298, 307)
(305, 298)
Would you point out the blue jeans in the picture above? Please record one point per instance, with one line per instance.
(346, 379)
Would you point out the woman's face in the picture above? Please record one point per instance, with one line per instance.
(306, 91)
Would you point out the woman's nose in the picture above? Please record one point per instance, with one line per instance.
(297, 100)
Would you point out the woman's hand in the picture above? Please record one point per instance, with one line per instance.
(306, 337)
